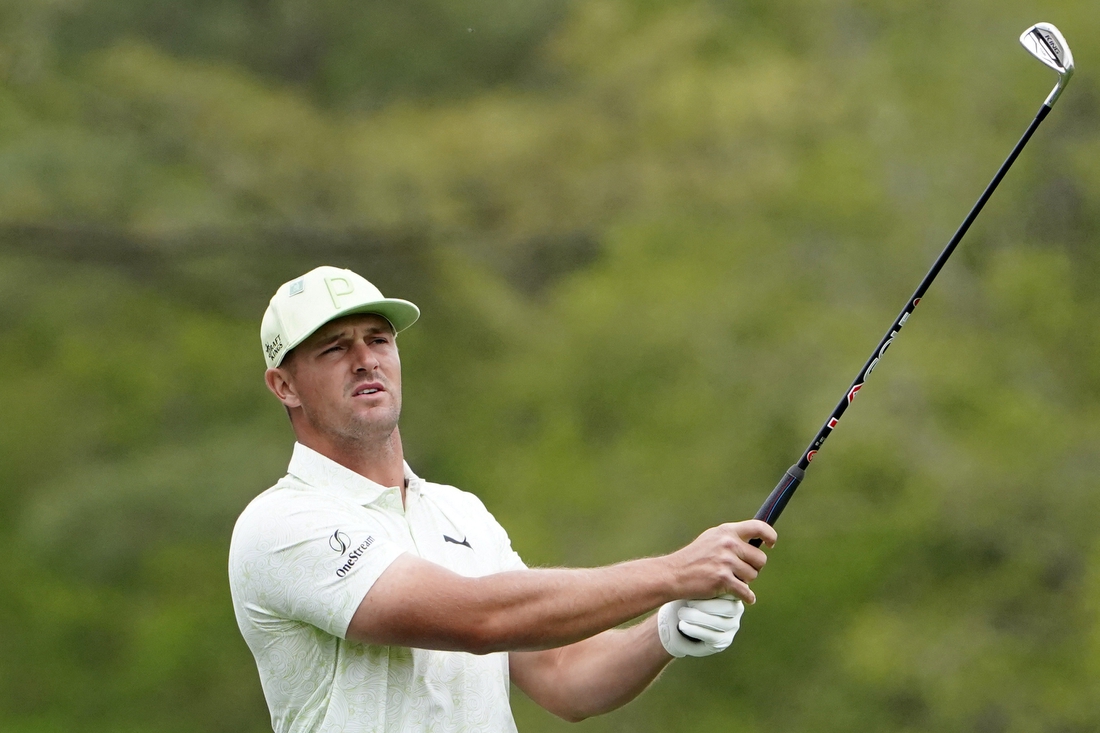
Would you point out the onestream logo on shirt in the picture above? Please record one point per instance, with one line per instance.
(339, 542)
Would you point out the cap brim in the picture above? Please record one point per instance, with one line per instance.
(400, 313)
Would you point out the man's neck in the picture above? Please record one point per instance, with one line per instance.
(382, 462)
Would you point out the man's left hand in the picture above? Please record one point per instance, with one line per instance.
(713, 623)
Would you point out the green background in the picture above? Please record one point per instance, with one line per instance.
(653, 242)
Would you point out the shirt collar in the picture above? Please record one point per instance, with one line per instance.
(322, 472)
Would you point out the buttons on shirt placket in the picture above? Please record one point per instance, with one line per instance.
(390, 500)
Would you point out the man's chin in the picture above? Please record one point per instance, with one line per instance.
(373, 424)
(380, 420)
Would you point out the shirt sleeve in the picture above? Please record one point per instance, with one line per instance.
(306, 561)
(509, 558)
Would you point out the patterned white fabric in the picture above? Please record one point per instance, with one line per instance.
(303, 555)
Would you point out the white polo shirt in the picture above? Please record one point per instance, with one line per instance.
(303, 555)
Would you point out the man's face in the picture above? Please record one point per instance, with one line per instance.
(346, 378)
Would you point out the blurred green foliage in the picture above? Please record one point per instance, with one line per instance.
(652, 241)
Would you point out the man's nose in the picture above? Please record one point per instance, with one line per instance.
(363, 357)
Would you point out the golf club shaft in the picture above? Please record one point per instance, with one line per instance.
(787, 485)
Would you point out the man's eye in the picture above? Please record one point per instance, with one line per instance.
(330, 349)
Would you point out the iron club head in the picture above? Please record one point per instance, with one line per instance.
(1045, 42)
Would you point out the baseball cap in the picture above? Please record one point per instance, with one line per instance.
(303, 305)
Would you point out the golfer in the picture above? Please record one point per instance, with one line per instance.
(375, 600)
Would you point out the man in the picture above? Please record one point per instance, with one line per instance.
(374, 600)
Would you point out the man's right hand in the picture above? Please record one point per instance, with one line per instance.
(722, 561)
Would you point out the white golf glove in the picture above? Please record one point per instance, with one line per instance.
(714, 622)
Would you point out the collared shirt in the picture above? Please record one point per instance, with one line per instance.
(303, 555)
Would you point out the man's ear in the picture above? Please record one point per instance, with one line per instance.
(281, 384)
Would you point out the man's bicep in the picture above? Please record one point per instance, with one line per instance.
(545, 678)
(533, 671)
(416, 603)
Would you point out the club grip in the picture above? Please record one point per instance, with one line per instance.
(779, 497)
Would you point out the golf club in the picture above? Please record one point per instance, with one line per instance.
(1046, 43)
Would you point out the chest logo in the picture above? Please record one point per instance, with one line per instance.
(457, 542)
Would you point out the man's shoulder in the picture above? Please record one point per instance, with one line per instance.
(288, 498)
(451, 495)
(286, 491)
(468, 513)
(457, 502)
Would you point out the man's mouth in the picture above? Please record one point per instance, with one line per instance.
(367, 389)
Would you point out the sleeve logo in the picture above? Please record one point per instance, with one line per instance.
(353, 556)
(339, 542)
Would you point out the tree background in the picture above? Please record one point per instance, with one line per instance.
(652, 241)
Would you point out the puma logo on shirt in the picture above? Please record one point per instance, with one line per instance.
(452, 539)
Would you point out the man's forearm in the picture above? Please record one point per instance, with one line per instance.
(515, 610)
(593, 676)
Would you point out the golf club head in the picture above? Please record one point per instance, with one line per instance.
(1046, 43)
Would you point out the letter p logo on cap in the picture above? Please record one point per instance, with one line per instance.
(338, 287)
